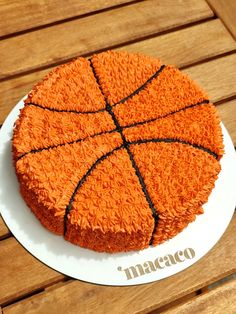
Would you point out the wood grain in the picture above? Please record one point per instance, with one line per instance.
(217, 301)
(86, 35)
(216, 77)
(179, 301)
(11, 91)
(227, 112)
(21, 273)
(88, 298)
(189, 45)
(22, 15)
(226, 10)
(4, 231)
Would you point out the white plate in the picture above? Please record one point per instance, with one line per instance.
(131, 268)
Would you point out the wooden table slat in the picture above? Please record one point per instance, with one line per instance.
(27, 14)
(21, 273)
(191, 45)
(89, 298)
(83, 36)
(216, 77)
(227, 112)
(208, 75)
(226, 10)
(219, 300)
(4, 231)
(185, 42)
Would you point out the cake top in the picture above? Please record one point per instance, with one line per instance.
(127, 141)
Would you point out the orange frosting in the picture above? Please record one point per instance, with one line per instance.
(117, 152)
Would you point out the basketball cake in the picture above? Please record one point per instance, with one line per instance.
(118, 152)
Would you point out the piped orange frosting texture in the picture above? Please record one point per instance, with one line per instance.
(39, 128)
(122, 73)
(190, 125)
(172, 172)
(122, 209)
(52, 175)
(59, 151)
(169, 92)
(69, 87)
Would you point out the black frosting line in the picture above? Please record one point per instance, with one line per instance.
(205, 101)
(35, 151)
(174, 140)
(149, 80)
(155, 75)
(61, 110)
(126, 146)
(82, 180)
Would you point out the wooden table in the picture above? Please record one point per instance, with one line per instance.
(197, 36)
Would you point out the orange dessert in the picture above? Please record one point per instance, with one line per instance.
(118, 152)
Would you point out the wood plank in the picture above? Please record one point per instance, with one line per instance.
(217, 301)
(226, 10)
(17, 13)
(227, 112)
(14, 89)
(88, 298)
(189, 45)
(86, 35)
(217, 77)
(23, 273)
(4, 231)
(175, 303)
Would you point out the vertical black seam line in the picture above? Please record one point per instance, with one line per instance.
(134, 165)
(61, 110)
(205, 101)
(155, 75)
(82, 180)
(173, 140)
(35, 151)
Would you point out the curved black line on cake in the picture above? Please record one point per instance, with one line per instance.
(172, 140)
(134, 165)
(205, 101)
(103, 157)
(35, 151)
(81, 181)
(126, 145)
(153, 140)
(139, 89)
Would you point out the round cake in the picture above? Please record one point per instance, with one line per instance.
(117, 152)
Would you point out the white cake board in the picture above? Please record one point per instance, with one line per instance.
(154, 263)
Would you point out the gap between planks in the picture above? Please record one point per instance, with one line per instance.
(140, 45)
(119, 46)
(220, 88)
(4, 231)
(218, 300)
(226, 11)
(90, 298)
(144, 18)
(184, 54)
(49, 14)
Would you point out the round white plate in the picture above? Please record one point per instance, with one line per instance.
(131, 268)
